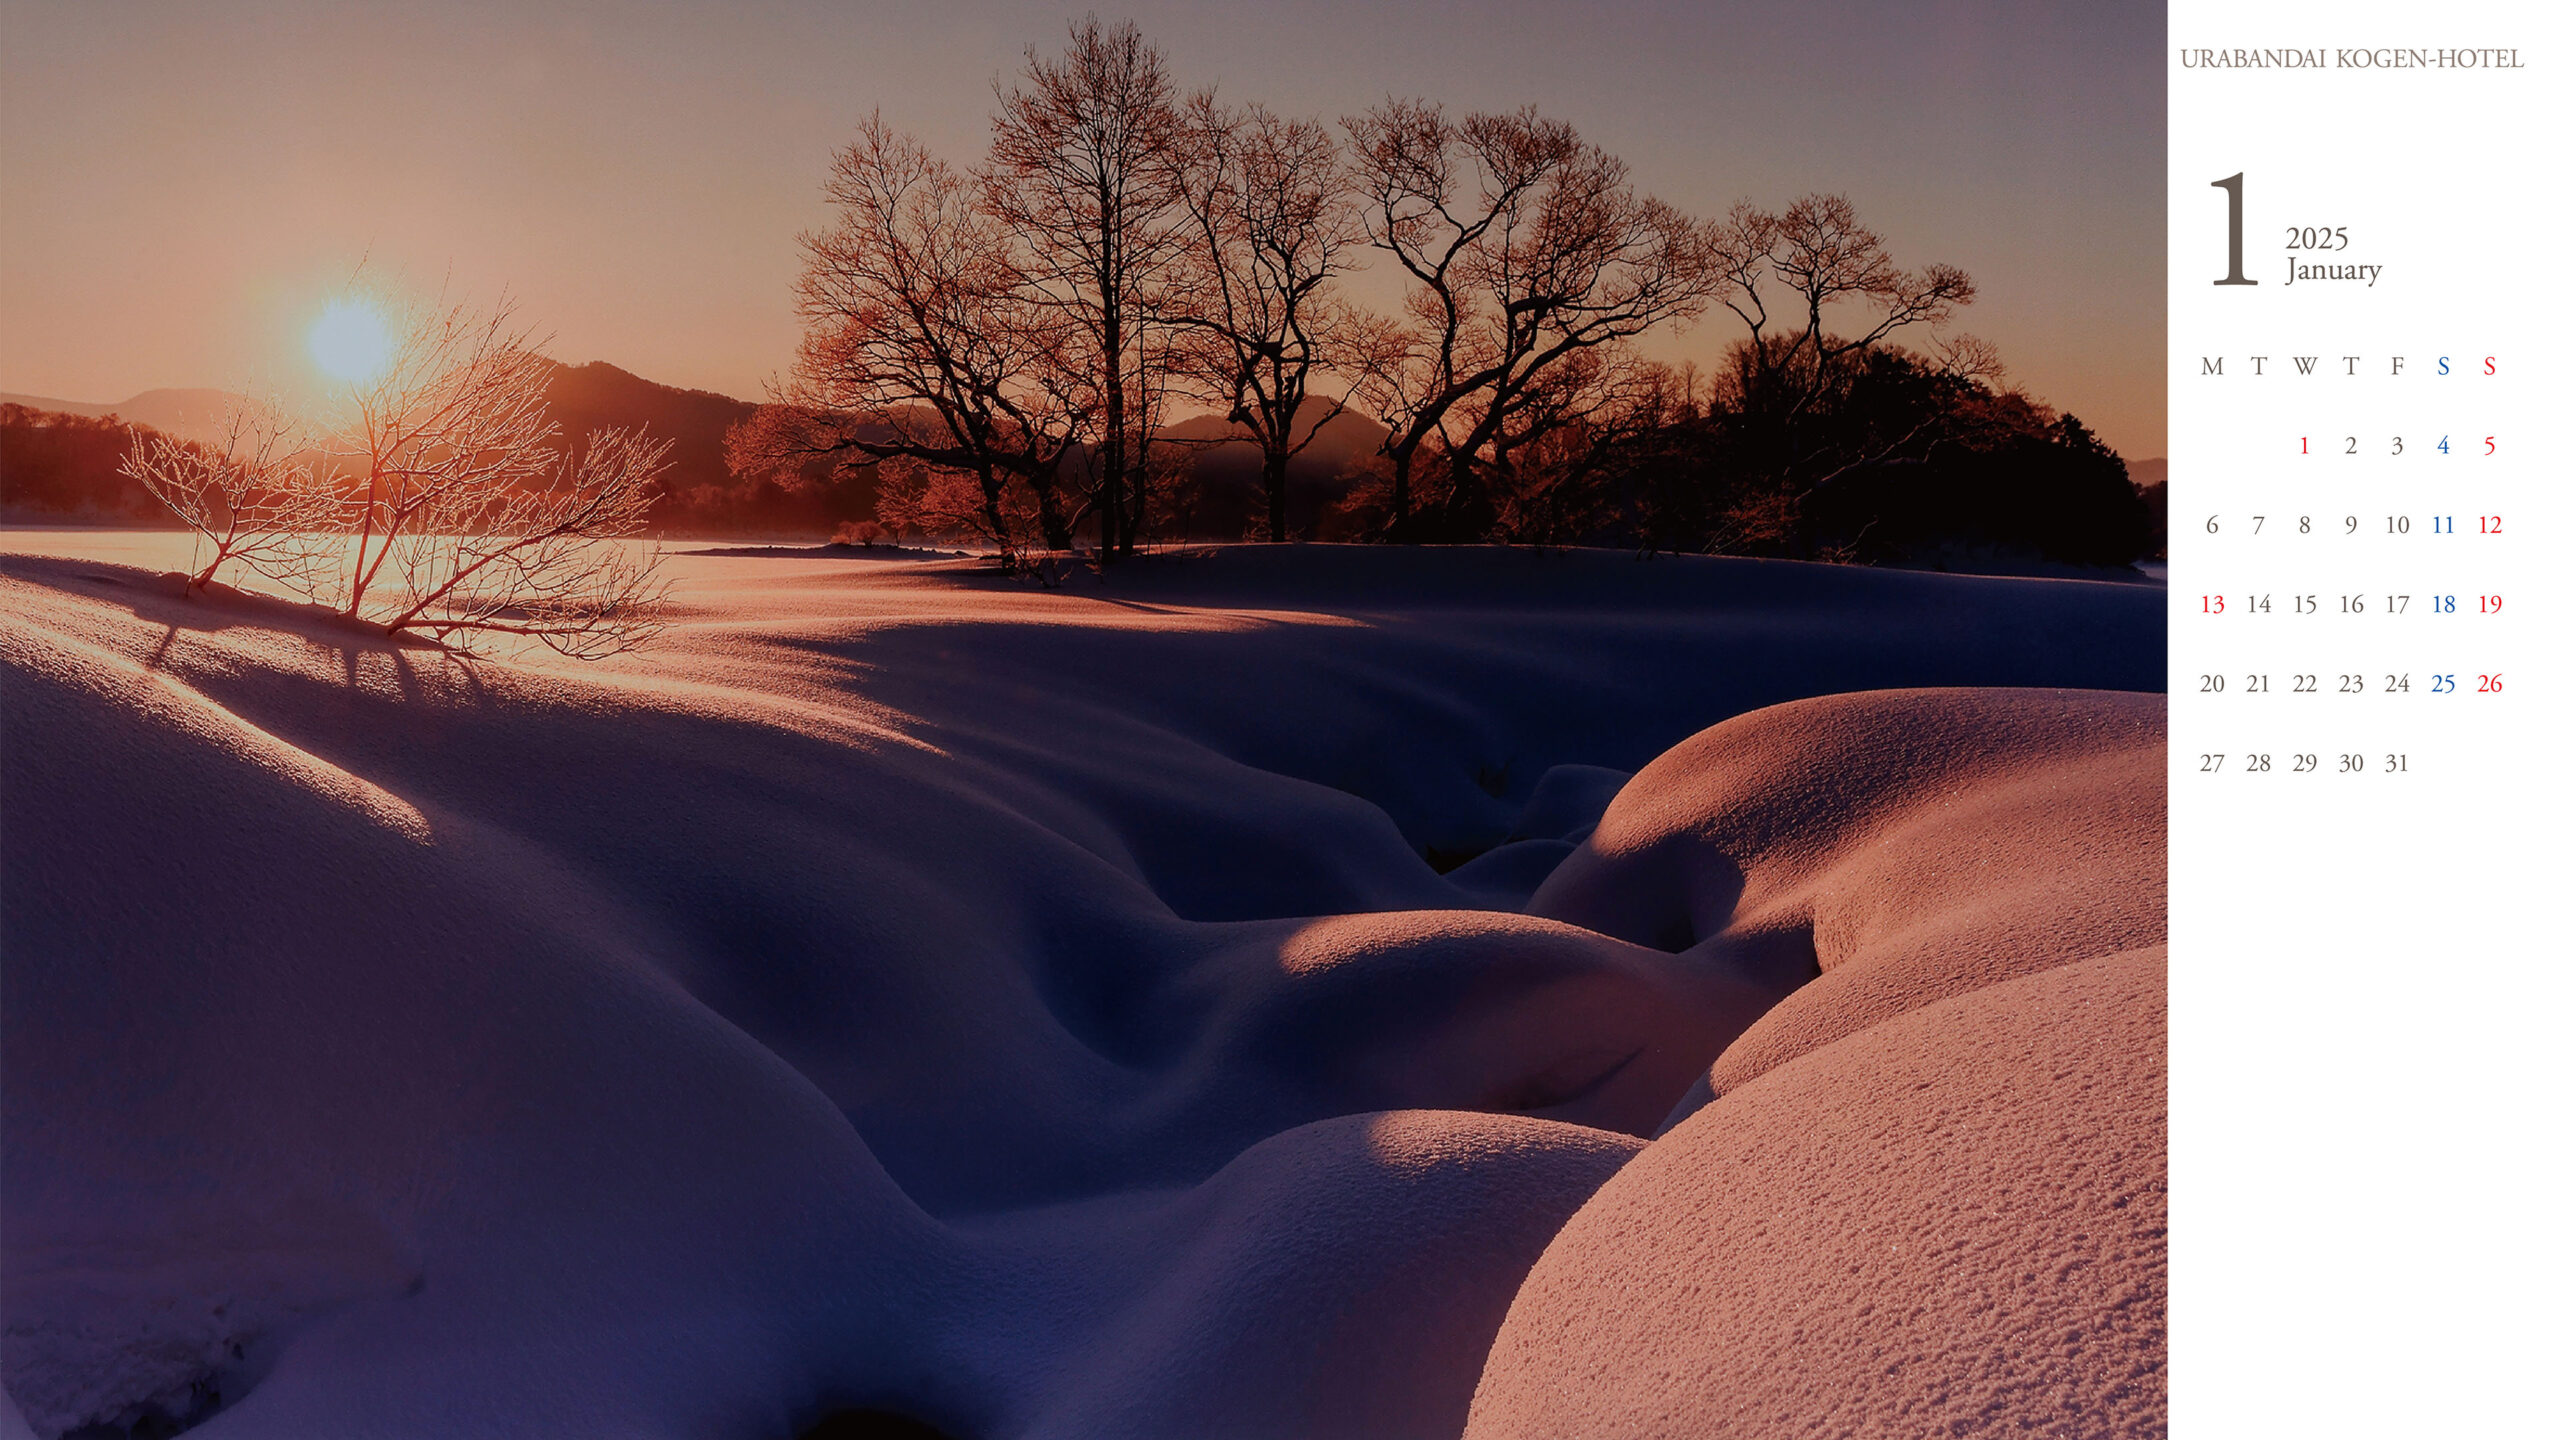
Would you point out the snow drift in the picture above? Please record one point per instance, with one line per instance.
(1035, 1014)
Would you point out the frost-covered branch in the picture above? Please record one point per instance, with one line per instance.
(258, 501)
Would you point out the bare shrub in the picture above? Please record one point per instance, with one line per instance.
(258, 501)
(469, 521)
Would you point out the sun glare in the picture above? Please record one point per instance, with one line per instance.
(351, 342)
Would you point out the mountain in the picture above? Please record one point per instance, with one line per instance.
(701, 497)
(698, 495)
(60, 471)
(59, 459)
(1226, 494)
(198, 415)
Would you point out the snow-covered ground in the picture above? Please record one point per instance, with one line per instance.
(1042, 1013)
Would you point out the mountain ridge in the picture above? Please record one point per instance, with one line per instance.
(699, 496)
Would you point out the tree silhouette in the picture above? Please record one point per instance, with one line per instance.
(1817, 255)
(928, 348)
(1271, 227)
(1080, 168)
(1524, 246)
(1003, 344)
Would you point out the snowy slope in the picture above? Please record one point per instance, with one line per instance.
(1036, 1013)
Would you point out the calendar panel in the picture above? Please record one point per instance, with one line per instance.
(2360, 643)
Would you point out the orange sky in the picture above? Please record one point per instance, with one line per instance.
(185, 184)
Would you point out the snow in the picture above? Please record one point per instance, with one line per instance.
(1952, 1223)
(1035, 1012)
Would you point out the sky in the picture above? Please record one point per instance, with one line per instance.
(183, 186)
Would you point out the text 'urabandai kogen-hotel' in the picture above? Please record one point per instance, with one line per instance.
(2414, 58)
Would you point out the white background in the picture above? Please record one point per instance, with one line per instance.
(2361, 1096)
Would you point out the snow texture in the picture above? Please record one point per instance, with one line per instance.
(1043, 1013)
(1952, 1223)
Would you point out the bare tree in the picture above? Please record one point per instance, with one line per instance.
(1272, 224)
(1079, 169)
(257, 501)
(913, 498)
(1577, 424)
(1818, 257)
(926, 348)
(1524, 246)
(469, 522)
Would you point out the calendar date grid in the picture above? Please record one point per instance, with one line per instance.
(2352, 551)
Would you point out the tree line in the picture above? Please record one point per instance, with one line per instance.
(57, 469)
(1007, 341)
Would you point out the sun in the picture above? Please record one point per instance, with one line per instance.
(351, 342)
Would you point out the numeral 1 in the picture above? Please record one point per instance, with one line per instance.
(2230, 185)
